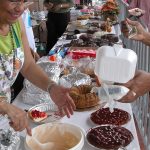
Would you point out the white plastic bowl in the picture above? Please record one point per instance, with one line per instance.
(75, 130)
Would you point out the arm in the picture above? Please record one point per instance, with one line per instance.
(142, 35)
(138, 86)
(37, 76)
(18, 118)
(133, 4)
(30, 70)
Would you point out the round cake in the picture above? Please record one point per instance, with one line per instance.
(109, 137)
(83, 97)
(104, 116)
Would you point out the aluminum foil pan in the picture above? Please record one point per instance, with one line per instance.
(75, 80)
(35, 98)
(51, 110)
(51, 68)
(9, 139)
(34, 95)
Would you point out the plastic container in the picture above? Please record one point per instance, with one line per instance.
(115, 64)
(115, 91)
(41, 130)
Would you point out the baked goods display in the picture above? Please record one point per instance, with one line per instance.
(89, 71)
(111, 37)
(82, 96)
(37, 115)
(83, 43)
(104, 116)
(83, 17)
(110, 10)
(109, 137)
(95, 24)
(92, 30)
(88, 41)
(106, 26)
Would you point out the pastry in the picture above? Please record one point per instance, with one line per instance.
(111, 37)
(104, 116)
(109, 137)
(82, 96)
(37, 116)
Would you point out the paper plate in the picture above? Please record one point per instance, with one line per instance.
(51, 110)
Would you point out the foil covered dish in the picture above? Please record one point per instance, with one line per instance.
(9, 139)
(75, 79)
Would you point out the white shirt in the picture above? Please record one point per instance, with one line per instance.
(29, 31)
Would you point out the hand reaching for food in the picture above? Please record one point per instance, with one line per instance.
(136, 12)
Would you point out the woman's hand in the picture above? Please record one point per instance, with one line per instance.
(60, 96)
(142, 35)
(138, 86)
(136, 12)
(140, 30)
(18, 117)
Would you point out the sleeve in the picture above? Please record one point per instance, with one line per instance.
(133, 4)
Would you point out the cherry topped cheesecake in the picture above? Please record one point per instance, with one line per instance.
(37, 115)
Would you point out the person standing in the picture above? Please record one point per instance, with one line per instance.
(18, 84)
(58, 19)
(143, 5)
(140, 84)
(15, 57)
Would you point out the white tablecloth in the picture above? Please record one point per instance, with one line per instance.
(81, 119)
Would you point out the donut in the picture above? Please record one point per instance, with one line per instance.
(82, 96)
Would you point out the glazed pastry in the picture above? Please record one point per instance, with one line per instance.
(82, 96)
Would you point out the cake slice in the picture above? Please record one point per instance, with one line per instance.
(37, 115)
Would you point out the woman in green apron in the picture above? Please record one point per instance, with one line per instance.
(15, 57)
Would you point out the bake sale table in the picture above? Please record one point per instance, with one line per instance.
(81, 119)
